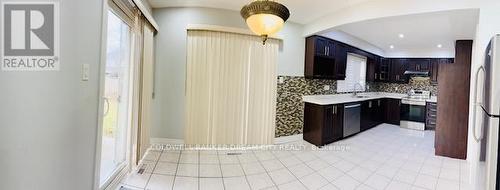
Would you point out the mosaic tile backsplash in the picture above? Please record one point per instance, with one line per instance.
(290, 108)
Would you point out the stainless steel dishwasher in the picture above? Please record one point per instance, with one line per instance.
(352, 119)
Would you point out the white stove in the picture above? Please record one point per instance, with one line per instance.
(413, 109)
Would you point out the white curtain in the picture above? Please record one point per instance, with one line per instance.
(230, 88)
(146, 90)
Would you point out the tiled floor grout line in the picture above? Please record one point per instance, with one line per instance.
(315, 171)
(275, 184)
(244, 173)
(220, 167)
(345, 173)
(199, 161)
(372, 173)
(396, 154)
(295, 165)
(175, 174)
(151, 174)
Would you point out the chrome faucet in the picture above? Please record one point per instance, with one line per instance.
(355, 91)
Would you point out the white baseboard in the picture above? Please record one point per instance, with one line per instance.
(287, 139)
(166, 141)
(278, 140)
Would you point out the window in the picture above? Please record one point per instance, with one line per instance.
(355, 74)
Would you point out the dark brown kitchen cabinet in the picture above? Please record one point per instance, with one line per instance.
(383, 70)
(325, 58)
(372, 113)
(392, 111)
(379, 111)
(323, 124)
(453, 103)
(324, 47)
(340, 60)
(321, 46)
(365, 122)
(423, 65)
(398, 68)
(371, 70)
(431, 115)
(434, 71)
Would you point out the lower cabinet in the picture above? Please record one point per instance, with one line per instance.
(431, 116)
(392, 111)
(372, 113)
(323, 124)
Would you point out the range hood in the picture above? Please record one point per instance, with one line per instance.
(417, 73)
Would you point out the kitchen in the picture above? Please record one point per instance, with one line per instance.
(347, 90)
(250, 94)
(378, 94)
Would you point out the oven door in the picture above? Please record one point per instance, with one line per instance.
(412, 112)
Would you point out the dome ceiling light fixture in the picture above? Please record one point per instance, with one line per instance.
(265, 17)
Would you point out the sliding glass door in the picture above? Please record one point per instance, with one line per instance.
(117, 85)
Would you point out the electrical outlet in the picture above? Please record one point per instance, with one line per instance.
(326, 87)
(281, 80)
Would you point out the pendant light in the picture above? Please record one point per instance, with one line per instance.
(265, 17)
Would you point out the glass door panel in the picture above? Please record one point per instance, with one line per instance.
(116, 98)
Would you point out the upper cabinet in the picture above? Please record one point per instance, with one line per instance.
(371, 70)
(383, 70)
(434, 71)
(341, 51)
(400, 65)
(398, 68)
(324, 47)
(325, 58)
(423, 65)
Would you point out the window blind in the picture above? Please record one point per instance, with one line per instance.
(355, 74)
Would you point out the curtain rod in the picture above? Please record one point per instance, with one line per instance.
(217, 28)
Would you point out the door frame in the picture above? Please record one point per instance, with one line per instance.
(123, 169)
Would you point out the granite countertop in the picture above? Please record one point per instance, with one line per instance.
(347, 98)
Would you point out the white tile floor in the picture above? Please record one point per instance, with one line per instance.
(383, 158)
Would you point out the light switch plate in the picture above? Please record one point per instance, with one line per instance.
(85, 72)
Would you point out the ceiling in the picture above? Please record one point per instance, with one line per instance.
(302, 11)
(422, 32)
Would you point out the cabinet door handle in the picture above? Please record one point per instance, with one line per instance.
(334, 110)
(325, 50)
(375, 75)
(328, 51)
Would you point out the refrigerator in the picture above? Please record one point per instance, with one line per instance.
(487, 117)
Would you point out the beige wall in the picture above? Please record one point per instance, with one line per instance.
(48, 120)
(170, 52)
